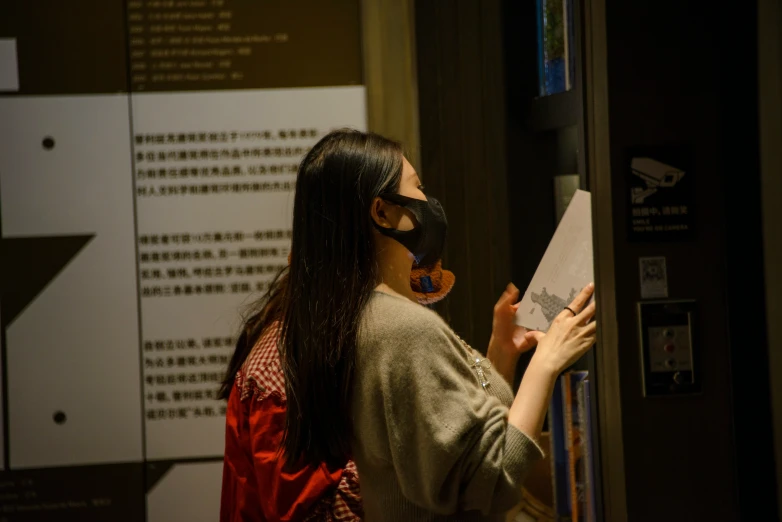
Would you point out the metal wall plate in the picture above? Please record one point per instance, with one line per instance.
(669, 363)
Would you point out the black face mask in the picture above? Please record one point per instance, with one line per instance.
(427, 239)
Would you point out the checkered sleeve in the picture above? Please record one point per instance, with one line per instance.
(347, 499)
(261, 374)
(344, 504)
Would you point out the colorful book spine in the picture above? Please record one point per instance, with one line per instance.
(582, 478)
(566, 43)
(574, 449)
(572, 455)
(559, 458)
(589, 454)
(539, 6)
(553, 47)
(556, 46)
(570, 27)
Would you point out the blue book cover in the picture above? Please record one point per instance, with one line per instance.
(573, 442)
(571, 45)
(559, 461)
(539, 7)
(554, 46)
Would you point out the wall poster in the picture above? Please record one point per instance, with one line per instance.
(148, 155)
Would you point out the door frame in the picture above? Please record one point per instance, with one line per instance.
(598, 152)
(770, 118)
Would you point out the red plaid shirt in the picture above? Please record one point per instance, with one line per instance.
(256, 488)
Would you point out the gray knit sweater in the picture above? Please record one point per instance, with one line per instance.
(430, 442)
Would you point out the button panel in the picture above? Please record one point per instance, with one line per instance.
(667, 353)
(667, 348)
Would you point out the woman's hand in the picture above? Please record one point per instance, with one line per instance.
(569, 337)
(508, 340)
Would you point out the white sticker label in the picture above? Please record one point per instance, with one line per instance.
(654, 278)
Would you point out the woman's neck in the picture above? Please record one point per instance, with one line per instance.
(395, 265)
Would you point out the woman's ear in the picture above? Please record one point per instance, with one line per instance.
(378, 212)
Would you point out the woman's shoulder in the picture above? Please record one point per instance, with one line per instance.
(394, 321)
(390, 312)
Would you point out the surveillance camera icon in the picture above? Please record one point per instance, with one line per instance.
(656, 175)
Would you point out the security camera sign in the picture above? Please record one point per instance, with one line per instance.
(660, 196)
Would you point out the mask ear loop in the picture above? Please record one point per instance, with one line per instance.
(397, 199)
(403, 201)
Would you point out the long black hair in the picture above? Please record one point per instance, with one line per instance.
(321, 297)
(261, 314)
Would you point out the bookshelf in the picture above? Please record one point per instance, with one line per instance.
(548, 132)
(554, 112)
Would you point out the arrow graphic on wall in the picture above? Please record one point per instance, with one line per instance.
(29, 264)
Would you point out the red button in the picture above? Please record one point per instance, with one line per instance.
(669, 348)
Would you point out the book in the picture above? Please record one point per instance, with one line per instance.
(572, 381)
(571, 448)
(556, 46)
(539, 6)
(559, 465)
(551, 43)
(570, 46)
(589, 453)
(566, 267)
(566, 23)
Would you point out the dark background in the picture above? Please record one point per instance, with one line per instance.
(679, 72)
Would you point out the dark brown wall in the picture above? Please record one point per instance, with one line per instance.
(683, 73)
(680, 73)
(462, 125)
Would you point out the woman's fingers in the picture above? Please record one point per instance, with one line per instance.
(578, 303)
(533, 337)
(590, 330)
(569, 337)
(504, 299)
(508, 298)
(582, 298)
(513, 293)
(586, 314)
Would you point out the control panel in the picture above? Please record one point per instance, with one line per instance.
(667, 348)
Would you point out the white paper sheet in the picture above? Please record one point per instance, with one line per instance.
(565, 269)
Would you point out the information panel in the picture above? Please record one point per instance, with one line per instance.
(214, 176)
(148, 159)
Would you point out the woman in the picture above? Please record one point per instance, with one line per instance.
(257, 483)
(373, 376)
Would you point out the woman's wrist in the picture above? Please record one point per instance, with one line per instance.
(533, 397)
(542, 369)
(504, 359)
